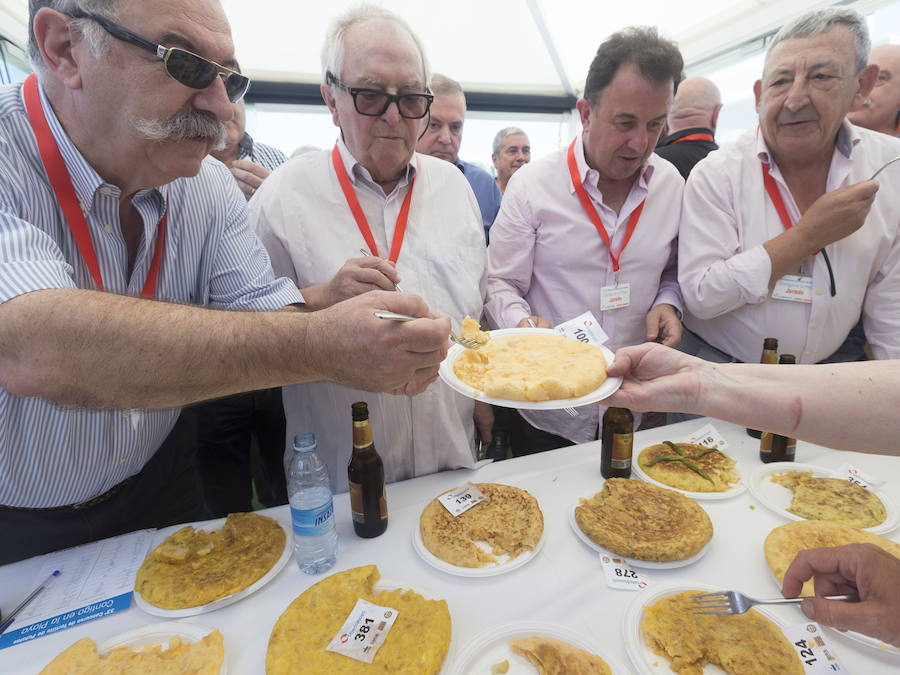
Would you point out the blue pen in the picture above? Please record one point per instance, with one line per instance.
(36, 592)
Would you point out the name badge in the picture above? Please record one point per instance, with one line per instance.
(615, 297)
(794, 288)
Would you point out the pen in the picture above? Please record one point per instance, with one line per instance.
(36, 592)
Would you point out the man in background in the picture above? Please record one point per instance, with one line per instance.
(443, 136)
(880, 111)
(512, 151)
(250, 162)
(692, 124)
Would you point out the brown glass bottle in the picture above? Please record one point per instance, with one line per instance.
(774, 447)
(769, 355)
(365, 472)
(617, 439)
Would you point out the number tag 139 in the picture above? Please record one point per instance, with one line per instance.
(461, 499)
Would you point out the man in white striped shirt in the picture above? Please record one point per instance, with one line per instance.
(125, 125)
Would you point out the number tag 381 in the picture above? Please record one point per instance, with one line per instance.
(364, 631)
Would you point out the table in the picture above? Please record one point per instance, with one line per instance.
(563, 583)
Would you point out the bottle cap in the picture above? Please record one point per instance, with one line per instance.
(304, 442)
(787, 358)
(360, 411)
(770, 343)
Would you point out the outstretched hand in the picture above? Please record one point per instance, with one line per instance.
(656, 378)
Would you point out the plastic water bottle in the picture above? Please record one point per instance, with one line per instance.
(312, 510)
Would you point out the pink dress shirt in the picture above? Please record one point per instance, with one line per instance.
(547, 259)
(724, 269)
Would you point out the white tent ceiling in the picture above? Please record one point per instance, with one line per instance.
(500, 46)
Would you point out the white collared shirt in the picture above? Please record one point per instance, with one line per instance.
(303, 219)
(724, 270)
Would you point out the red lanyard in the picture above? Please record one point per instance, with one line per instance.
(591, 211)
(361, 222)
(695, 137)
(775, 196)
(61, 182)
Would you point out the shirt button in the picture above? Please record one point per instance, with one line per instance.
(814, 326)
(107, 229)
(820, 292)
(106, 190)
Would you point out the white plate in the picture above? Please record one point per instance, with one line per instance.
(634, 562)
(158, 633)
(506, 564)
(609, 386)
(777, 498)
(493, 647)
(734, 491)
(642, 656)
(228, 599)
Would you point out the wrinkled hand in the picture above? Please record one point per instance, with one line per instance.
(249, 176)
(484, 421)
(656, 378)
(357, 350)
(837, 214)
(356, 276)
(664, 326)
(539, 322)
(864, 569)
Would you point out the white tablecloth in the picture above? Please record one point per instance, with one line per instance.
(562, 584)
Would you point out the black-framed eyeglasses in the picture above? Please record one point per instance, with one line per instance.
(374, 102)
(183, 66)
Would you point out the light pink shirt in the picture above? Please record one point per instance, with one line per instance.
(547, 259)
(724, 269)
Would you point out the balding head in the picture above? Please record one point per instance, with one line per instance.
(697, 104)
(881, 110)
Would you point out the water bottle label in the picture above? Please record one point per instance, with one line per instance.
(313, 522)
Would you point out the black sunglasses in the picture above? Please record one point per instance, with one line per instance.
(181, 65)
(374, 102)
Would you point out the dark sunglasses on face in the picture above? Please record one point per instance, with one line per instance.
(181, 65)
(374, 102)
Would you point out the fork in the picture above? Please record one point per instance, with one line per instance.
(732, 602)
(372, 255)
(896, 159)
(571, 412)
(462, 342)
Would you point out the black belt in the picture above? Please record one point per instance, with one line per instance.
(86, 504)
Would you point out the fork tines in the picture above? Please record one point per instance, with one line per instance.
(712, 603)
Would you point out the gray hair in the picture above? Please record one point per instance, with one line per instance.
(503, 133)
(441, 85)
(333, 49)
(823, 20)
(94, 35)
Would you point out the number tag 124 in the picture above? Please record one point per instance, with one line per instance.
(816, 655)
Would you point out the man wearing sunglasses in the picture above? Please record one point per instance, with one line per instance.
(107, 194)
(414, 219)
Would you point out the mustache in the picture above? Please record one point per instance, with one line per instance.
(190, 124)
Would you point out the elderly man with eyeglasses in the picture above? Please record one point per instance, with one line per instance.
(371, 213)
(112, 223)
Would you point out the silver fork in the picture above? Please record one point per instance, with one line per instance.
(372, 255)
(896, 159)
(732, 602)
(462, 342)
(571, 412)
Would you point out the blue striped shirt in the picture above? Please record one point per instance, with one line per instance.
(52, 455)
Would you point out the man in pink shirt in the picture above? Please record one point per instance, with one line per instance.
(782, 233)
(593, 226)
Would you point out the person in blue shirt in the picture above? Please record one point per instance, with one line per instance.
(443, 137)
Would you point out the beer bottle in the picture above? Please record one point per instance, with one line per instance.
(365, 473)
(773, 447)
(617, 437)
(769, 355)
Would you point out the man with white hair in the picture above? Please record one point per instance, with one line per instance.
(782, 234)
(108, 202)
(880, 110)
(692, 124)
(413, 216)
(442, 139)
(512, 151)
